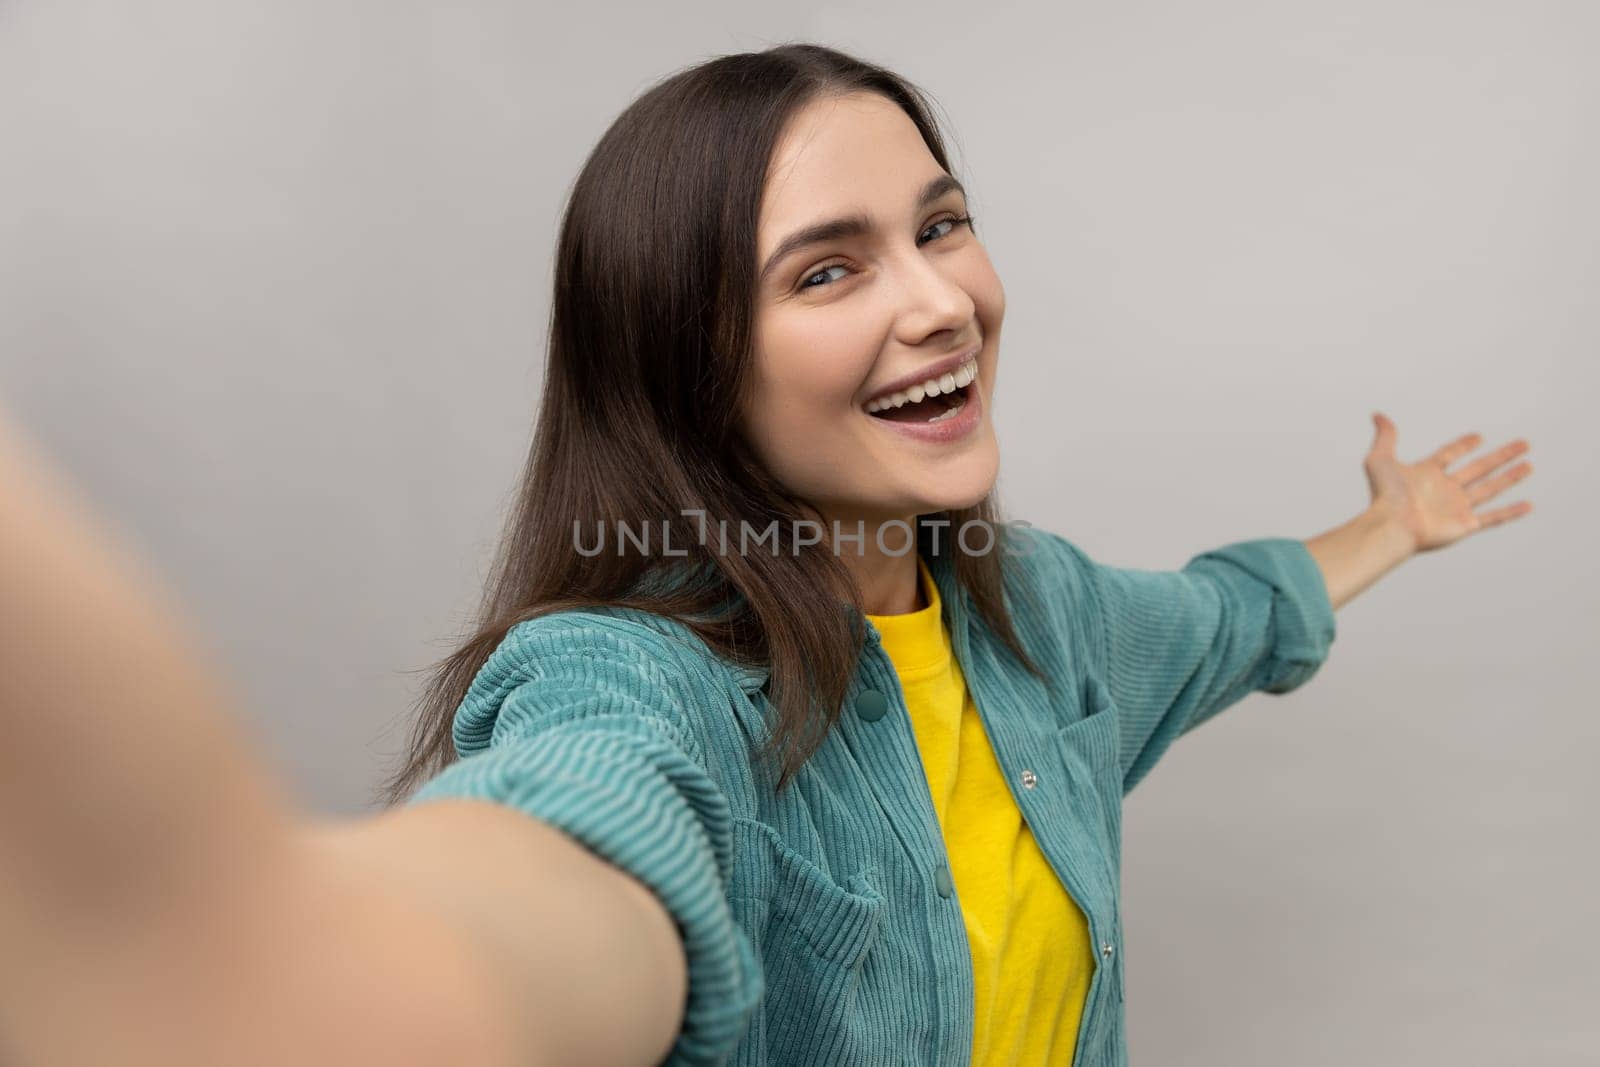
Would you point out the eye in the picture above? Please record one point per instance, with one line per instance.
(954, 221)
(958, 220)
(819, 272)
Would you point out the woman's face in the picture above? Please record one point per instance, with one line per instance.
(843, 319)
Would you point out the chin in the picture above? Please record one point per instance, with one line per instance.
(962, 492)
(976, 479)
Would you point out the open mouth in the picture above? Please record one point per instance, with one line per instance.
(917, 404)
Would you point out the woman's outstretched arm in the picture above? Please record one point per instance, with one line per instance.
(163, 902)
(571, 959)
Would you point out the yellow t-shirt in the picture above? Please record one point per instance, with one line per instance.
(1031, 953)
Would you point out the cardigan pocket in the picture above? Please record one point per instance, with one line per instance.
(1090, 752)
(1090, 745)
(837, 922)
(814, 936)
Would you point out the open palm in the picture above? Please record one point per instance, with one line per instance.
(1435, 506)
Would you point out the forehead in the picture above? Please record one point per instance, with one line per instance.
(842, 153)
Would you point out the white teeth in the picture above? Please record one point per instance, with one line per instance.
(953, 412)
(947, 383)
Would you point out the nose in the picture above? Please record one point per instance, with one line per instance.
(931, 300)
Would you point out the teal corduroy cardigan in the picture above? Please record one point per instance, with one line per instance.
(812, 921)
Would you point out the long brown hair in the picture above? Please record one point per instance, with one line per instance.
(647, 364)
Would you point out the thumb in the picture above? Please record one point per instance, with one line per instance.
(1384, 440)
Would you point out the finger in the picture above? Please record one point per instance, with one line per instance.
(1493, 487)
(1456, 449)
(1478, 468)
(1505, 514)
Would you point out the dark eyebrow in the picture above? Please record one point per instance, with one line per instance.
(852, 225)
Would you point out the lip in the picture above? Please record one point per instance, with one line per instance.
(948, 431)
(948, 365)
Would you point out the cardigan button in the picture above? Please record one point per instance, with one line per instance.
(871, 704)
(943, 882)
(1029, 779)
(1105, 949)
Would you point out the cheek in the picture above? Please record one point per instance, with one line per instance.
(811, 366)
(806, 375)
(982, 283)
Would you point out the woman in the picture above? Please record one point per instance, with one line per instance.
(828, 771)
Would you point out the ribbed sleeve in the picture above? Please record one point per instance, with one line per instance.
(1181, 646)
(1303, 621)
(585, 729)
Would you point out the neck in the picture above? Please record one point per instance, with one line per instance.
(890, 584)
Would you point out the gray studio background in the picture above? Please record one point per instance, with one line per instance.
(273, 281)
